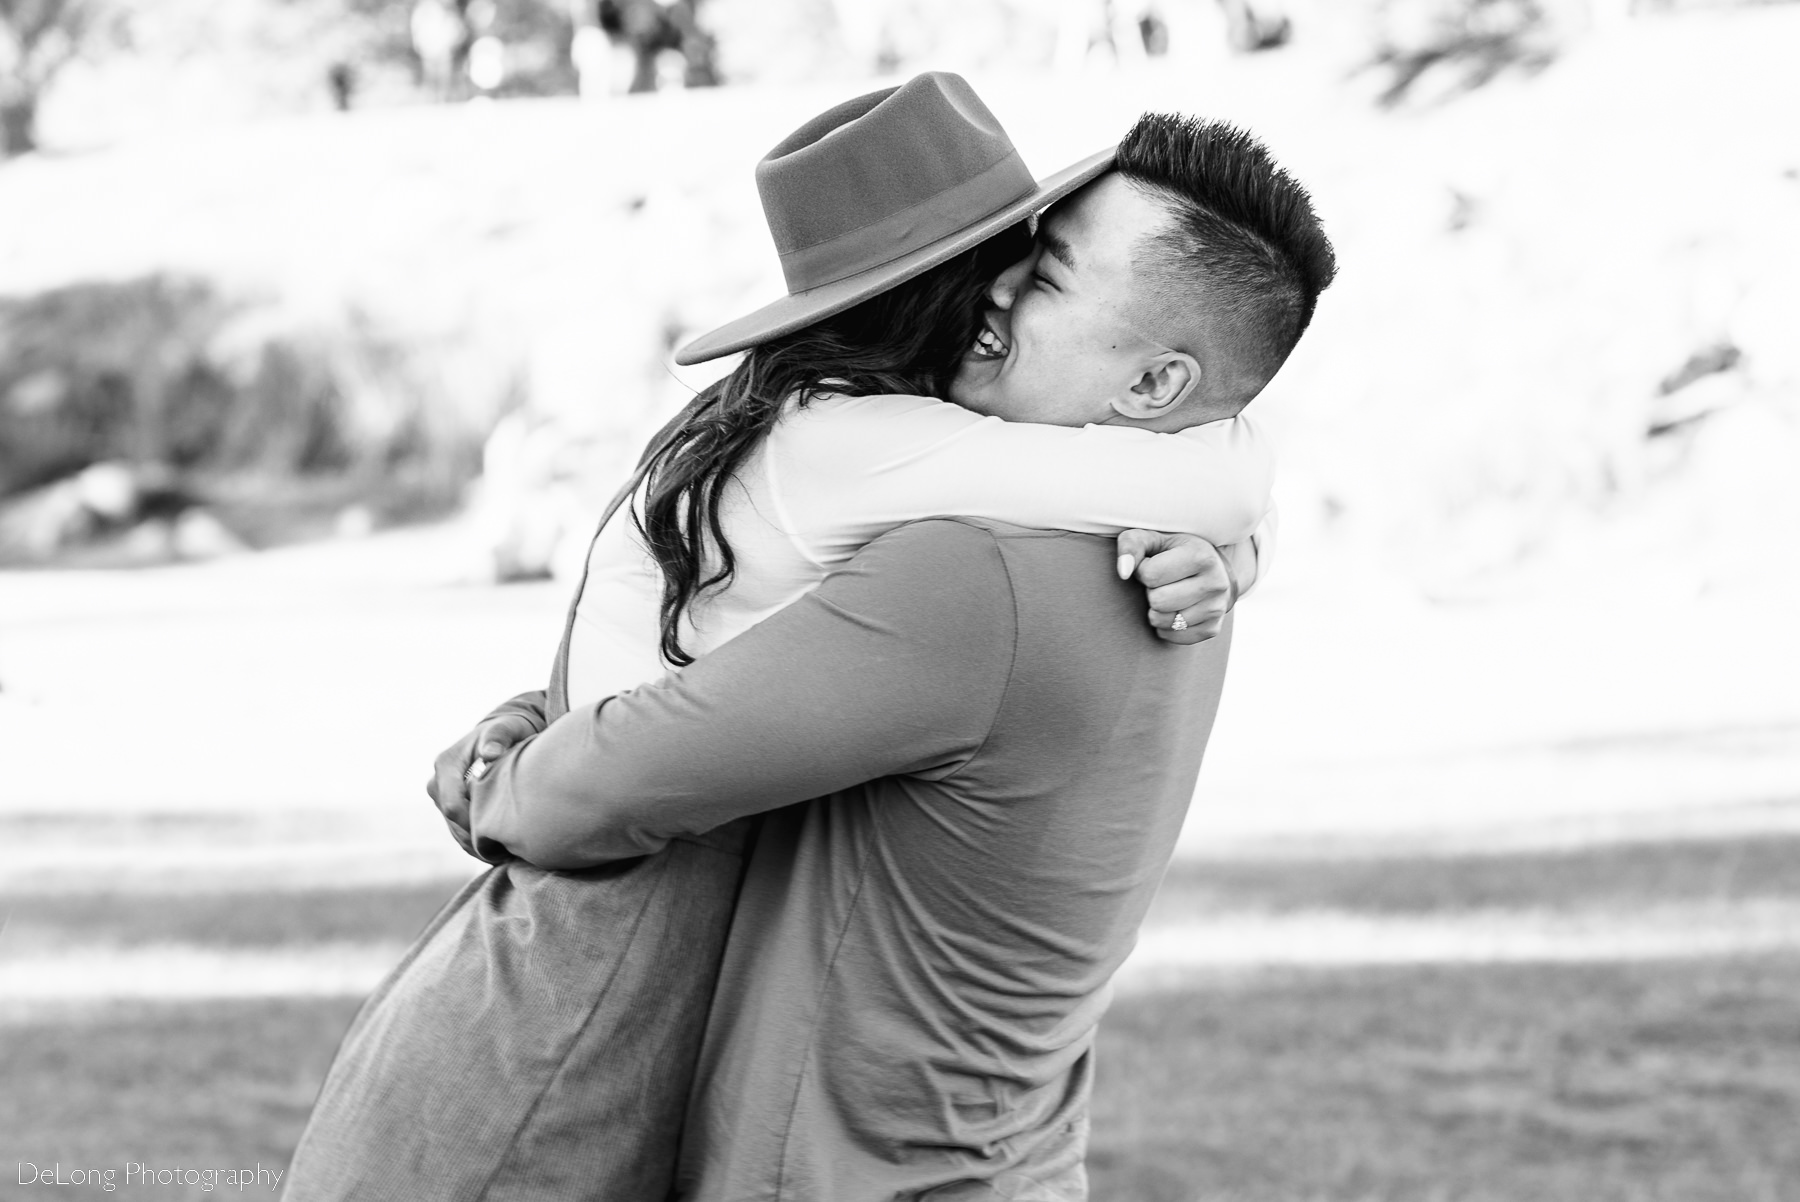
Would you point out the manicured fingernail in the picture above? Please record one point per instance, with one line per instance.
(1125, 565)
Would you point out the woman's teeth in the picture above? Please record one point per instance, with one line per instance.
(989, 346)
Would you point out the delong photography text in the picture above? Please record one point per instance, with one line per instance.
(137, 1173)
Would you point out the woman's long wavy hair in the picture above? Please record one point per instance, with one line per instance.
(909, 339)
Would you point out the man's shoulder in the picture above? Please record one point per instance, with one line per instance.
(942, 547)
(939, 572)
(1063, 587)
(955, 566)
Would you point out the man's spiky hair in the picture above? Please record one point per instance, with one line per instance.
(1242, 241)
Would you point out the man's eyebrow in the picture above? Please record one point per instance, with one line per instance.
(1058, 248)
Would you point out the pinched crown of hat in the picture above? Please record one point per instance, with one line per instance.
(880, 189)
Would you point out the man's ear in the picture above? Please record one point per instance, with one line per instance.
(1161, 388)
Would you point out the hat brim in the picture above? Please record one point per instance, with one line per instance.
(797, 310)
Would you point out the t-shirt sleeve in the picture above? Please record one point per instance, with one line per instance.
(895, 665)
(847, 468)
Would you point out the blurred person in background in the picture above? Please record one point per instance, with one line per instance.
(438, 36)
(1127, 32)
(484, 58)
(340, 78)
(591, 52)
(541, 1036)
(653, 30)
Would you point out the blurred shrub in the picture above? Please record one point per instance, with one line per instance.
(104, 371)
(228, 392)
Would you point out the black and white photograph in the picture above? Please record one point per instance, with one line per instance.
(900, 600)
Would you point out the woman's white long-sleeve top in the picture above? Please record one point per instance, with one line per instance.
(838, 472)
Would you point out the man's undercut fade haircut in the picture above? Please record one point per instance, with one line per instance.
(1243, 245)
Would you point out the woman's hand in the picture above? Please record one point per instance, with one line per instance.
(467, 759)
(1186, 579)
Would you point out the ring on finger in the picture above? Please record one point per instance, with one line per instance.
(1180, 623)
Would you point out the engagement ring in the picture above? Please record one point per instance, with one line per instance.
(476, 771)
(1180, 623)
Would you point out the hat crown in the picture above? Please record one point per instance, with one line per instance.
(883, 175)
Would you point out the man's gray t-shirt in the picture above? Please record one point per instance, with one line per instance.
(917, 964)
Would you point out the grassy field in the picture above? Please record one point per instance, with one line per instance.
(1618, 876)
(1673, 1079)
(217, 1083)
(1673, 1082)
(1667, 1081)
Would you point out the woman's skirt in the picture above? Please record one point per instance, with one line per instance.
(538, 1041)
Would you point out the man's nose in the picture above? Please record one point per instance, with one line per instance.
(1005, 288)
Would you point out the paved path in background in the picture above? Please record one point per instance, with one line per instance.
(1167, 955)
(270, 719)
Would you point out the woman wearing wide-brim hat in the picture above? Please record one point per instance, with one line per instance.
(539, 1038)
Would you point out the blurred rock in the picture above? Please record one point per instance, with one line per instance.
(197, 534)
(39, 523)
(101, 499)
(111, 491)
(144, 511)
(150, 542)
(353, 521)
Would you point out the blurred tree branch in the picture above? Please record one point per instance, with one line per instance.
(1473, 41)
(38, 38)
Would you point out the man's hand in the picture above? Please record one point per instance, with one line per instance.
(467, 758)
(1186, 578)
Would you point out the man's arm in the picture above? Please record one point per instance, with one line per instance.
(894, 665)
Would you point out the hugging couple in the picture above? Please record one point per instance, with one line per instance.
(814, 862)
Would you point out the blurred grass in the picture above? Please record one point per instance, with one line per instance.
(1673, 1082)
(224, 919)
(217, 1083)
(1648, 1081)
(1619, 876)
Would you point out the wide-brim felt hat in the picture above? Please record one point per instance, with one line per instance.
(881, 189)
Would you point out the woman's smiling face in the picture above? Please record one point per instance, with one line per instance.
(1060, 342)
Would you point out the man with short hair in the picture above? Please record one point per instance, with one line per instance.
(973, 759)
(1176, 285)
